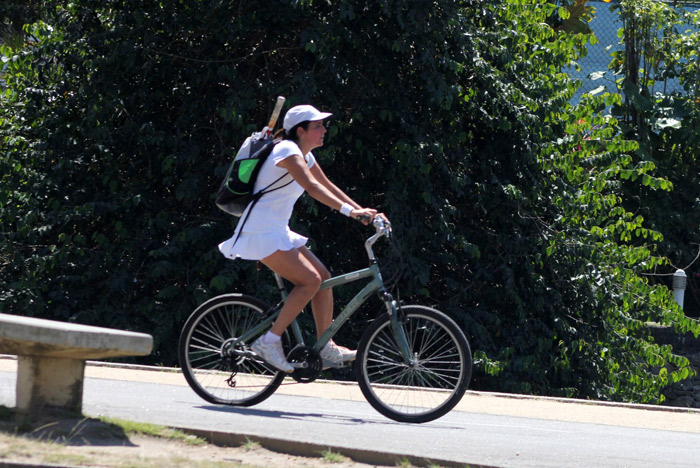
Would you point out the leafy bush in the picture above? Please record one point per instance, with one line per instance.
(452, 117)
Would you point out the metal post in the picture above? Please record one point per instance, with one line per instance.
(679, 282)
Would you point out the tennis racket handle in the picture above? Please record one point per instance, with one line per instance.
(276, 112)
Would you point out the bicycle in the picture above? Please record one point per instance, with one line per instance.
(413, 362)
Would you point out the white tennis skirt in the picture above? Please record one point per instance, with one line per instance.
(256, 246)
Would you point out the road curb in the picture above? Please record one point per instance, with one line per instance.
(308, 449)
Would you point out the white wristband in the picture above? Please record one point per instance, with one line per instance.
(346, 209)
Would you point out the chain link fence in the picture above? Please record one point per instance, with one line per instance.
(605, 26)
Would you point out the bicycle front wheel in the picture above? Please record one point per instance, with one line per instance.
(215, 356)
(425, 385)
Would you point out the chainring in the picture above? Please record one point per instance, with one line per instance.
(312, 360)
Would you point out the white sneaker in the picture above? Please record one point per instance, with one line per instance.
(335, 356)
(272, 353)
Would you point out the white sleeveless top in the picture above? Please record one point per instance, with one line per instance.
(266, 229)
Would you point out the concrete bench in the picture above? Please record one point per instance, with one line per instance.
(51, 358)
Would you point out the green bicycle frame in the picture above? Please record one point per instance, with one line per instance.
(372, 287)
(376, 285)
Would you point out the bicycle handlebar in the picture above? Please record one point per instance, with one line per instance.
(382, 224)
(383, 228)
(379, 223)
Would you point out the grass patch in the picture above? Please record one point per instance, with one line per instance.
(14, 446)
(333, 457)
(178, 462)
(251, 445)
(154, 430)
(105, 442)
(68, 459)
(406, 463)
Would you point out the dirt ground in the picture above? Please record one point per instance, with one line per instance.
(71, 442)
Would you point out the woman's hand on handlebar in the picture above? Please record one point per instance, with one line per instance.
(364, 215)
(383, 217)
(369, 216)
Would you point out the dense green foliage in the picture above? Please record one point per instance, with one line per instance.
(452, 117)
(14, 14)
(662, 43)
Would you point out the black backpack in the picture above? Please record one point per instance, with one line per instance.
(237, 189)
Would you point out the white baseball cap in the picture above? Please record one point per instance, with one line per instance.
(299, 114)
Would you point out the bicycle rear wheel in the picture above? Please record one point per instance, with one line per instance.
(434, 380)
(216, 362)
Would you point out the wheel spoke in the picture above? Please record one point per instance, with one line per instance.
(216, 365)
(433, 381)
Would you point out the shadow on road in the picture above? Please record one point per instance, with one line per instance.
(322, 417)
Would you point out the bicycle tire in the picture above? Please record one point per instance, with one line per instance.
(430, 387)
(211, 370)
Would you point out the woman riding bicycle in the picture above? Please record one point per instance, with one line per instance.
(265, 236)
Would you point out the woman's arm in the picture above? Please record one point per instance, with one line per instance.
(317, 185)
(320, 176)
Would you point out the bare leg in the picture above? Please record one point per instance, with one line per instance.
(322, 302)
(306, 272)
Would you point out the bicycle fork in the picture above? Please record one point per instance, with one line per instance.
(397, 321)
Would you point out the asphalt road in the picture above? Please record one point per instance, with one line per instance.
(487, 430)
